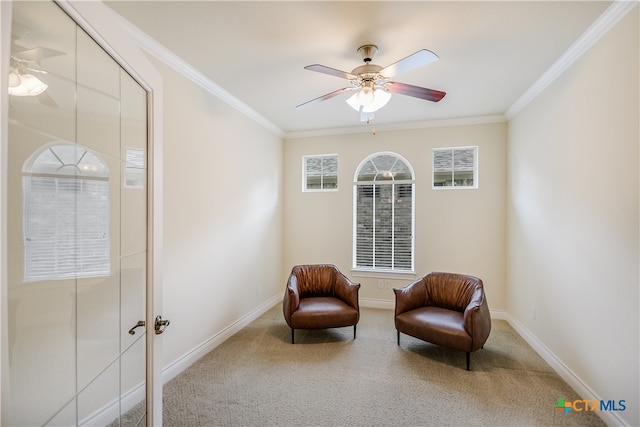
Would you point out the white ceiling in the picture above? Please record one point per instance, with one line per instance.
(490, 53)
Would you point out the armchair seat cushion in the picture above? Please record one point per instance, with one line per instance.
(436, 325)
(323, 312)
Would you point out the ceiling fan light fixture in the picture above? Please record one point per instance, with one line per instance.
(14, 79)
(29, 85)
(365, 96)
(369, 100)
(353, 102)
(381, 98)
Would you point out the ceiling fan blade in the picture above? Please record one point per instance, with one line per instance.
(415, 91)
(36, 54)
(331, 71)
(46, 99)
(415, 60)
(324, 97)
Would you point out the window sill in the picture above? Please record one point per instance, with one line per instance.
(454, 187)
(384, 274)
(319, 190)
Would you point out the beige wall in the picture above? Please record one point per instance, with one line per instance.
(560, 239)
(573, 219)
(222, 215)
(456, 230)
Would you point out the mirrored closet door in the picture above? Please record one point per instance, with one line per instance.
(77, 227)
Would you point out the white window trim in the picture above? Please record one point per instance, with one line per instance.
(382, 272)
(304, 174)
(476, 174)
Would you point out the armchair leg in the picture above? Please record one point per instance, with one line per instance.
(468, 360)
(398, 337)
(292, 336)
(354, 332)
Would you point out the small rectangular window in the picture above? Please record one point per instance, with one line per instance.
(455, 167)
(320, 173)
(134, 174)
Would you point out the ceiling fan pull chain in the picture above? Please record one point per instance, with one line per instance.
(373, 129)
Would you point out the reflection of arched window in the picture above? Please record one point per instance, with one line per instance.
(383, 214)
(66, 214)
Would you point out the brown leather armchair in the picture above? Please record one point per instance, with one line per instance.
(320, 297)
(445, 309)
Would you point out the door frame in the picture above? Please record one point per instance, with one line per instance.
(101, 24)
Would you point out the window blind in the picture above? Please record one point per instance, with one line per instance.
(384, 215)
(66, 217)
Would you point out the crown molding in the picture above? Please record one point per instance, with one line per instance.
(159, 51)
(595, 32)
(386, 127)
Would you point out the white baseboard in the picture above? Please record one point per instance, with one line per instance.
(570, 377)
(111, 411)
(377, 303)
(179, 365)
(498, 314)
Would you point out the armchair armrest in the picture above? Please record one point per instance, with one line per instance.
(477, 319)
(346, 290)
(411, 296)
(291, 298)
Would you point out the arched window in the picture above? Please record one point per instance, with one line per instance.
(383, 214)
(65, 214)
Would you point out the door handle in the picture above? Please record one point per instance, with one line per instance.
(132, 331)
(161, 325)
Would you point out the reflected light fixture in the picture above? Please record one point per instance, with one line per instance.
(25, 84)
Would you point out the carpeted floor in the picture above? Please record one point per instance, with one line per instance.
(258, 378)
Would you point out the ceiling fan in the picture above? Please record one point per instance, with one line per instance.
(374, 84)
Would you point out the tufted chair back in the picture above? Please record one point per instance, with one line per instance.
(451, 291)
(315, 280)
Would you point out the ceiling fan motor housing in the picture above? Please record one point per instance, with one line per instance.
(367, 52)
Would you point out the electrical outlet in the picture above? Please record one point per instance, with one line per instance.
(380, 284)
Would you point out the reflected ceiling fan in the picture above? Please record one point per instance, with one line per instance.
(25, 62)
(373, 81)
(22, 81)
